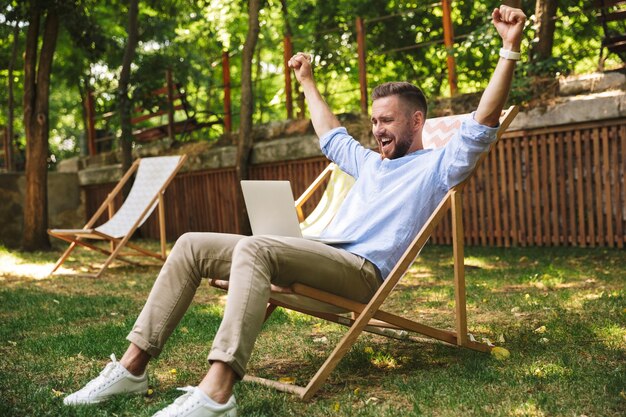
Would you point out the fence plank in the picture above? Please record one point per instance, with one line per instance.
(473, 206)
(488, 214)
(582, 241)
(606, 180)
(482, 210)
(465, 212)
(544, 209)
(562, 191)
(591, 234)
(513, 233)
(613, 170)
(599, 236)
(521, 238)
(536, 173)
(528, 192)
(502, 178)
(591, 212)
(495, 193)
(554, 219)
(571, 239)
(444, 228)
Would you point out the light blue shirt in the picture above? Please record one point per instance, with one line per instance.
(393, 198)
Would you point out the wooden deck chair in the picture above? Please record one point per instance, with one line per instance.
(369, 317)
(153, 176)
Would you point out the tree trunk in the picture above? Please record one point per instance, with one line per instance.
(257, 86)
(244, 144)
(11, 100)
(545, 12)
(82, 93)
(287, 52)
(287, 28)
(36, 123)
(125, 105)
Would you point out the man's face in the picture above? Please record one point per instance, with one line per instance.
(395, 128)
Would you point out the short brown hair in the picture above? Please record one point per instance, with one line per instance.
(408, 92)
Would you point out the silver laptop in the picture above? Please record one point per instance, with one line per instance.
(271, 210)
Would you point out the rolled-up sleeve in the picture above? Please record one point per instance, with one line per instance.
(463, 151)
(344, 150)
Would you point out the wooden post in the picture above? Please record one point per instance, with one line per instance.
(228, 121)
(170, 104)
(360, 39)
(91, 122)
(459, 268)
(448, 40)
(287, 52)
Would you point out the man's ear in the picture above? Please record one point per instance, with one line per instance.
(418, 119)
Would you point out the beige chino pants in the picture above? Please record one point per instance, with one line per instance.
(251, 264)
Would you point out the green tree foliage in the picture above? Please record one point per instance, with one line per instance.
(404, 41)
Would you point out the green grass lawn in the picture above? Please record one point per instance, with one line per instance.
(561, 312)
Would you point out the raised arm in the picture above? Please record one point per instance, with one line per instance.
(509, 23)
(322, 117)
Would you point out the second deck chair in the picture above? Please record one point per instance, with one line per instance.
(369, 317)
(153, 176)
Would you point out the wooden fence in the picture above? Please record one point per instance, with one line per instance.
(559, 186)
(544, 187)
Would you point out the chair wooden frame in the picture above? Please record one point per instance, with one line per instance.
(75, 237)
(369, 317)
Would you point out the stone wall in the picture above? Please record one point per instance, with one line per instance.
(587, 98)
(65, 204)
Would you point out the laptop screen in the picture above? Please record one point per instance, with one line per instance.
(271, 208)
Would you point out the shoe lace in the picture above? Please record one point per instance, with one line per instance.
(97, 382)
(178, 403)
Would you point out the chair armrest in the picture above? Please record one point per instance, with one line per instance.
(312, 188)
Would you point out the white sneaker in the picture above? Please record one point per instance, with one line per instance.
(114, 379)
(194, 403)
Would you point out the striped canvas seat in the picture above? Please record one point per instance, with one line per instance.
(153, 175)
(438, 131)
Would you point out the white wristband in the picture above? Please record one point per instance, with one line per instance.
(508, 54)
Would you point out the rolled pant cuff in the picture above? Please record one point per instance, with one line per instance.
(218, 355)
(143, 344)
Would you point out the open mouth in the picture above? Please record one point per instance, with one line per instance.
(384, 142)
